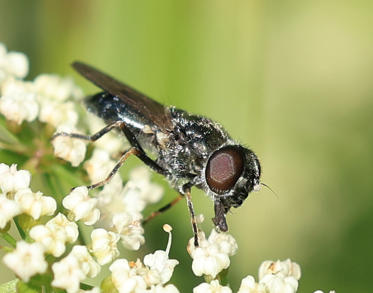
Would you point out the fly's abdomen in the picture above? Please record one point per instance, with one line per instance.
(105, 106)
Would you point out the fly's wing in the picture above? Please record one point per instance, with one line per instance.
(145, 106)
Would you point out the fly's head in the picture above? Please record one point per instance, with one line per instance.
(231, 173)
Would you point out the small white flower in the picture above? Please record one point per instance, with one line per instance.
(26, 260)
(54, 87)
(146, 190)
(18, 102)
(82, 206)
(125, 279)
(279, 284)
(67, 274)
(227, 244)
(248, 285)
(280, 276)
(68, 148)
(99, 165)
(319, 291)
(87, 264)
(159, 261)
(12, 180)
(60, 224)
(58, 114)
(12, 64)
(53, 241)
(130, 230)
(213, 287)
(8, 210)
(104, 245)
(285, 268)
(212, 255)
(110, 200)
(35, 204)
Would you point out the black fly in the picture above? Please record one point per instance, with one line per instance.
(190, 150)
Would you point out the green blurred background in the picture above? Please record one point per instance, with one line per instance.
(290, 79)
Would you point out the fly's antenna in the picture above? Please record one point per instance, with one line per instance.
(265, 185)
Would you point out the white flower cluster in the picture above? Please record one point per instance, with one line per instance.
(12, 64)
(17, 197)
(82, 206)
(279, 276)
(55, 234)
(149, 276)
(74, 268)
(48, 98)
(212, 255)
(121, 206)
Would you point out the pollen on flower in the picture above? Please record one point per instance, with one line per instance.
(26, 260)
(167, 228)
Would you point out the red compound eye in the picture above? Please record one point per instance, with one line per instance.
(224, 168)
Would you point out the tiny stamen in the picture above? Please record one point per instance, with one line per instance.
(167, 228)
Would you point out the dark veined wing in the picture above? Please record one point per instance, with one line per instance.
(144, 105)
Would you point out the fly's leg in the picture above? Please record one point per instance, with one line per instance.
(192, 215)
(136, 149)
(93, 137)
(123, 158)
(163, 209)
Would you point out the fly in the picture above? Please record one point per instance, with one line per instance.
(190, 150)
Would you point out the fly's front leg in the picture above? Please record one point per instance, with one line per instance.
(191, 211)
(163, 209)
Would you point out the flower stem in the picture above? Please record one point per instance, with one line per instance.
(8, 238)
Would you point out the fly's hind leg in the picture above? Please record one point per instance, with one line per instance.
(123, 158)
(93, 137)
(136, 149)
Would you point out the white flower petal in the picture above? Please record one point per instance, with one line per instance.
(26, 260)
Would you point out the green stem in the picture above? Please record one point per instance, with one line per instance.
(8, 238)
(19, 228)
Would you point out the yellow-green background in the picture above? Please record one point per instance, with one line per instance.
(291, 79)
